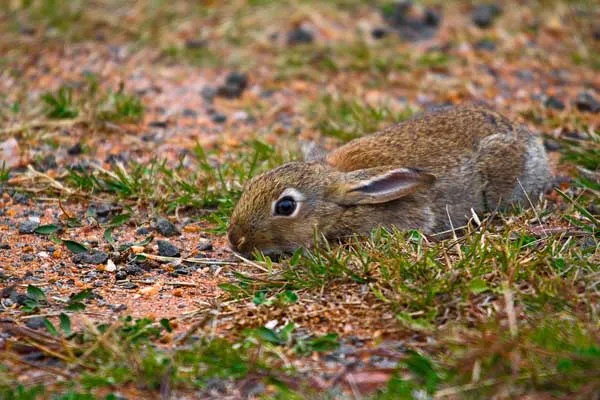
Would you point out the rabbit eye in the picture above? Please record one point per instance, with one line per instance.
(285, 206)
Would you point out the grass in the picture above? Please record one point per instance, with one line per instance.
(347, 119)
(505, 309)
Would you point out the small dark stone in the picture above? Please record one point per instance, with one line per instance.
(27, 227)
(75, 150)
(208, 93)
(8, 291)
(379, 33)
(133, 270)
(26, 30)
(237, 78)
(4, 246)
(103, 209)
(166, 227)
(28, 257)
(219, 118)
(432, 17)
(299, 35)
(189, 113)
(553, 102)
(204, 245)
(485, 44)
(18, 298)
(20, 198)
(118, 308)
(195, 44)
(159, 124)
(121, 275)
(594, 209)
(167, 249)
(235, 84)
(586, 102)
(483, 15)
(552, 145)
(142, 231)
(410, 26)
(35, 323)
(95, 258)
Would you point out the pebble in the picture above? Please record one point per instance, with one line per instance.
(299, 35)
(208, 93)
(553, 102)
(219, 118)
(121, 275)
(28, 227)
(142, 231)
(167, 249)
(235, 84)
(204, 244)
(110, 266)
(586, 102)
(166, 227)
(95, 258)
(485, 44)
(379, 33)
(9, 153)
(20, 198)
(4, 246)
(552, 145)
(75, 150)
(28, 257)
(483, 15)
(131, 270)
(414, 27)
(194, 44)
(35, 323)
(189, 113)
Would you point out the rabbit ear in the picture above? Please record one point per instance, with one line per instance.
(378, 185)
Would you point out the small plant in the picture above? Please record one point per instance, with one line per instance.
(4, 172)
(60, 105)
(348, 119)
(122, 107)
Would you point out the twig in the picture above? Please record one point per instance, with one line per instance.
(53, 182)
(41, 124)
(206, 261)
(244, 259)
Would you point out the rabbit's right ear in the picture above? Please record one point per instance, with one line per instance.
(378, 185)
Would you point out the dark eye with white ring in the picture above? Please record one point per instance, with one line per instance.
(285, 206)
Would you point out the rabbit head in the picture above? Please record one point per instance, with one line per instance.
(281, 209)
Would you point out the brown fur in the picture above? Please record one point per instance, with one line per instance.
(458, 159)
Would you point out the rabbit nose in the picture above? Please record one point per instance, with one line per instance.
(236, 239)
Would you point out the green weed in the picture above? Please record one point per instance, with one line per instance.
(348, 119)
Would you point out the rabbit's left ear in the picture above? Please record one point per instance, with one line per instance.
(378, 185)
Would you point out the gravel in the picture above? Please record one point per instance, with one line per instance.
(166, 228)
(553, 102)
(484, 15)
(94, 258)
(300, 35)
(587, 102)
(28, 227)
(167, 249)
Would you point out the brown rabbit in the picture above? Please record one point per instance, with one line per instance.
(424, 173)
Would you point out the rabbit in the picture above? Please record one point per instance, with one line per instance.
(426, 173)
